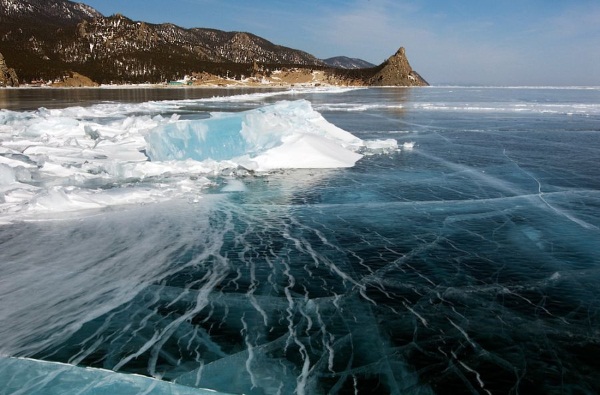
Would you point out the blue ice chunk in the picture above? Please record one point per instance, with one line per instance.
(248, 134)
(30, 376)
(215, 138)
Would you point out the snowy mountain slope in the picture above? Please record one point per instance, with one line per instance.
(56, 11)
(344, 62)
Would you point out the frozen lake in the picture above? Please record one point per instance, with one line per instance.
(436, 240)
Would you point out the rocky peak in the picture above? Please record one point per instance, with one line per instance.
(396, 71)
(242, 38)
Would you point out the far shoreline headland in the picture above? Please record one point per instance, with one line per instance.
(395, 71)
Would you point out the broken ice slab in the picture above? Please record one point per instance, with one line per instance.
(280, 136)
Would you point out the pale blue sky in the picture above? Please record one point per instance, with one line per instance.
(484, 42)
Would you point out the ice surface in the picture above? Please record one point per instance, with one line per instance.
(461, 258)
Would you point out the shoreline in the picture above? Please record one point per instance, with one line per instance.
(235, 85)
(282, 86)
(191, 86)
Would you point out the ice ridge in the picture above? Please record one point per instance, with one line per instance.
(287, 134)
(88, 158)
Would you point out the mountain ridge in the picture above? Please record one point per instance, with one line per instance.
(345, 62)
(46, 39)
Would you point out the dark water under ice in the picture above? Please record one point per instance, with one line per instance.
(469, 264)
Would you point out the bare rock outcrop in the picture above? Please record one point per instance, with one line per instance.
(75, 80)
(396, 71)
(8, 76)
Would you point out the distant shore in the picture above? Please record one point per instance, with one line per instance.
(278, 79)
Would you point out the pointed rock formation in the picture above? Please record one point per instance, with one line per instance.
(8, 77)
(396, 71)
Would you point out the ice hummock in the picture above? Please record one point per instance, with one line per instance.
(285, 135)
(81, 158)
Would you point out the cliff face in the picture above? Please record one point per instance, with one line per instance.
(396, 71)
(8, 77)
